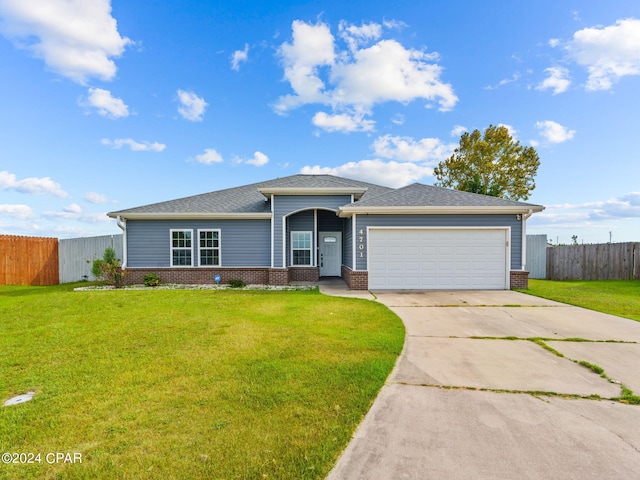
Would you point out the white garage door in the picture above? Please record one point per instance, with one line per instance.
(438, 259)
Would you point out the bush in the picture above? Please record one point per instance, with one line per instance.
(108, 268)
(235, 283)
(151, 280)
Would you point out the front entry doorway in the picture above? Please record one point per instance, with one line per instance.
(330, 254)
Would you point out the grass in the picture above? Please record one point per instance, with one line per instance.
(188, 384)
(617, 297)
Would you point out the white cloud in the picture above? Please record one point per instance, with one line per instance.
(209, 156)
(458, 130)
(259, 159)
(392, 174)
(73, 208)
(625, 206)
(505, 81)
(409, 149)
(31, 185)
(192, 106)
(558, 80)
(76, 38)
(21, 212)
(398, 119)
(239, 56)
(106, 104)
(343, 122)
(356, 78)
(133, 145)
(554, 42)
(553, 132)
(312, 47)
(74, 212)
(608, 53)
(386, 72)
(358, 36)
(93, 197)
(591, 214)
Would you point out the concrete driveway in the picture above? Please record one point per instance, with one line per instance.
(466, 402)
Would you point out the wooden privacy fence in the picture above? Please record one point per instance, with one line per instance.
(605, 261)
(28, 260)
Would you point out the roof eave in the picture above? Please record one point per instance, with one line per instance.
(348, 211)
(189, 216)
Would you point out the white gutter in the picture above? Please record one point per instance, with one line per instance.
(347, 211)
(123, 226)
(524, 238)
(192, 216)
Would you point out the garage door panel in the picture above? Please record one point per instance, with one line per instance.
(437, 259)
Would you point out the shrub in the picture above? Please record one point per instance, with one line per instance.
(108, 268)
(235, 283)
(151, 280)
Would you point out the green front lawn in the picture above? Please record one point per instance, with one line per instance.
(188, 384)
(617, 297)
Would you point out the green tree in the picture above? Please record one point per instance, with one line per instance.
(492, 163)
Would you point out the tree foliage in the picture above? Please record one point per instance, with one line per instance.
(492, 163)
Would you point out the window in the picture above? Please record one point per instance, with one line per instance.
(181, 248)
(301, 248)
(209, 247)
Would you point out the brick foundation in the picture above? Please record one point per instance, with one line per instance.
(278, 276)
(355, 279)
(519, 279)
(256, 276)
(304, 274)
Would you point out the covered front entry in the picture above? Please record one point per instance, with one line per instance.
(438, 258)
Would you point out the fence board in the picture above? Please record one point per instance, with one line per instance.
(605, 261)
(77, 255)
(28, 260)
(537, 256)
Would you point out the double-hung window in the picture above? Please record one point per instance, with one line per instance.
(209, 247)
(181, 248)
(301, 248)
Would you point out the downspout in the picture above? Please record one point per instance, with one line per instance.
(524, 238)
(123, 226)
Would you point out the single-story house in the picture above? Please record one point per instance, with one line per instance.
(303, 227)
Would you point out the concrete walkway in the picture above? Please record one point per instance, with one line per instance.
(465, 402)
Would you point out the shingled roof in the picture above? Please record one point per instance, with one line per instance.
(419, 195)
(248, 199)
(252, 200)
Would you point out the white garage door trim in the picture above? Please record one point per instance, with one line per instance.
(461, 259)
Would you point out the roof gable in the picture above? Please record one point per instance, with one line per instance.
(247, 200)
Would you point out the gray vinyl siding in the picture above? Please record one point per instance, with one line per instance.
(364, 221)
(284, 205)
(243, 243)
(347, 243)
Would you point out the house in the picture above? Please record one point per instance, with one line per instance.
(303, 227)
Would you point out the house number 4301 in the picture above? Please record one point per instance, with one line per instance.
(361, 242)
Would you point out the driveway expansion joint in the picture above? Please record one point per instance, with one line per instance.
(533, 393)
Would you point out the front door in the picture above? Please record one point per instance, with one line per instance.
(330, 254)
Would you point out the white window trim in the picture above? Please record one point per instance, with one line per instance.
(172, 248)
(311, 243)
(219, 248)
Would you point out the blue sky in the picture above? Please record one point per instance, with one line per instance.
(110, 105)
